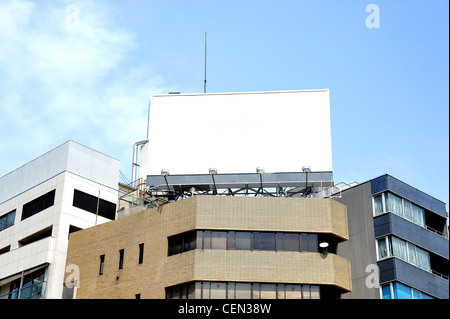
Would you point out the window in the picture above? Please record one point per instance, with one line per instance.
(242, 240)
(394, 204)
(396, 290)
(267, 241)
(399, 248)
(392, 246)
(309, 242)
(418, 215)
(378, 204)
(121, 253)
(33, 286)
(255, 240)
(89, 203)
(400, 207)
(102, 264)
(218, 290)
(141, 253)
(242, 290)
(293, 292)
(207, 239)
(382, 249)
(291, 242)
(39, 204)
(386, 292)
(180, 243)
(268, 291)
(7, 220)
(219, 240)
(423, 259)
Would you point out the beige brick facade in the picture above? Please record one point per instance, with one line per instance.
(158, 270)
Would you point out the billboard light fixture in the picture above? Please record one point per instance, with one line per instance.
(212, 172)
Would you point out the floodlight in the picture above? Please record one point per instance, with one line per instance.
(212, 172)
(323, 245)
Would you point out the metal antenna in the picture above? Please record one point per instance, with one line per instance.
(204, 87)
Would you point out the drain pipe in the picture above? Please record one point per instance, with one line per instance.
(135, 162)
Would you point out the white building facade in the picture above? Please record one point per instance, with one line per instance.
(72, 187)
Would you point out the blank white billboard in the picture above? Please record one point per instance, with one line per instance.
(238, 132)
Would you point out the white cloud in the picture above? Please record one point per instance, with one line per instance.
(60, 80)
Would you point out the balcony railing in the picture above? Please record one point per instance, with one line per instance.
(35, 291)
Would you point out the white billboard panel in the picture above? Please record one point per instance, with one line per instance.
(238, 132)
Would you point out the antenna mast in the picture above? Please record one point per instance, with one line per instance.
(204, 87)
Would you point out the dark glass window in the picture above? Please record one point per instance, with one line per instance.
(231, 240)
(255, 240)
(267, 241)
(291, 242)
(309, 242)
(102, 264)
(141, 253)
(89, 203)
(243, 241)
(313, 243)
(177, 245)
(7, 220)
(39, 204)
(180, 243)
(121, 255)
(199, 240)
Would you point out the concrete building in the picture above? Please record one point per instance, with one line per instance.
(71, 187)
(212, 246)
(403, 231)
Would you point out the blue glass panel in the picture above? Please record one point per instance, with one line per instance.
(386, 292)
(401, 291)
(416, 294)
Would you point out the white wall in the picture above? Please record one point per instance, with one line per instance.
(66, 168)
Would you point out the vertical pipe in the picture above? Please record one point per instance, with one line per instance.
(135, 162)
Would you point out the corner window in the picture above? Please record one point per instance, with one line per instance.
(94, 204)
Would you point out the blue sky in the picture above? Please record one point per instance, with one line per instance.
(85, 70)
